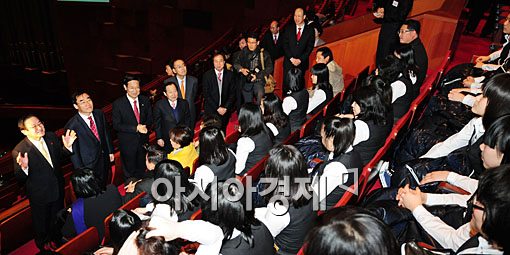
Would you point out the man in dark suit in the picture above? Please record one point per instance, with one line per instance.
(38, 167)
(94, 148)
(298, 43)
(187, 87)
(132, 118)
(218, 90)
(170, 112)
(409, 33)
(272, 42)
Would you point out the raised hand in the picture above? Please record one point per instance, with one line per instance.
(22, 160)
(69, 138)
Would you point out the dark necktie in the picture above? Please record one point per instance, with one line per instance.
(137, 113)
(93, 127)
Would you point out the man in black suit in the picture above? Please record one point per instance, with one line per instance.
(170, 112)
(218, 87)
(132, 118)
(38, 167)
(94, 148)
(298, 43)
(409, 33)
(187, 87)
(272, 42)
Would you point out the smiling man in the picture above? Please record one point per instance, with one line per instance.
(94, 148)
(37, 166)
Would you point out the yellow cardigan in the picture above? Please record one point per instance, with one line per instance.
(185, 156)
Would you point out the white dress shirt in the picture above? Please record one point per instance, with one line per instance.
(319, 96)
(289, 104)
(131, 101)
(245, 146)
(334, 174)
(470, 132)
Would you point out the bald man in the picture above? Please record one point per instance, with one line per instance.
(298, 42)
(272, 42)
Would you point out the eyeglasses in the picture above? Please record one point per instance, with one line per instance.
(404, 31)
(40, 124)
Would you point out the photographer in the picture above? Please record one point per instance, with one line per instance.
(250, 66)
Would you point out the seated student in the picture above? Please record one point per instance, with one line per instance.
(274, 117)
(337, 137)
(489, 221)
(463, 146)
(496, 144)
(92, 204)
(214, 160)
(153, 157)
(123, 223)
(184, 151)
(495, 151)
(351, 231)
(159, 237)
(296, 103)
(167, 203)
(401, 85)
(243, 234)
(409, 68)
(372, 121)
(288, 225)
(228, 229)
(322, 91)
(255, 139)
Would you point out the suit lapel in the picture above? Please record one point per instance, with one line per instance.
(169, 108)
(33, 151)
(128, 106)
(86, 127)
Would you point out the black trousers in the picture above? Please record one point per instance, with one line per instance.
(43, 221)
(387, 42)
(133, 159)
(102, 169)
(254, 89)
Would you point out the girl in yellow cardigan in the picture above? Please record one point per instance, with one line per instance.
(184, 150)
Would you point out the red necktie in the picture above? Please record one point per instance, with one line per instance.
(219, 78)
(298, 36)
(93, 127)
(137, 113)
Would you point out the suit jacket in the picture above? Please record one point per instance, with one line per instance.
(164, 119)
(124, 120)
(421, 60)
(43, 183)
(298, 49)
(274, 50)
(191, 84)
(87, 149)
(211, 92)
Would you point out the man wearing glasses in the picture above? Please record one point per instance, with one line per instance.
(37, 165)
(409, 33)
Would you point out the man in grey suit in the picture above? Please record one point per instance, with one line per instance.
(187, 87)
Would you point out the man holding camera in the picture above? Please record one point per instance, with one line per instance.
(249, 64)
